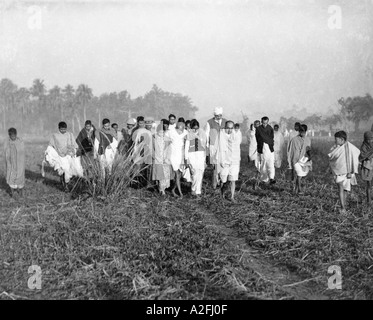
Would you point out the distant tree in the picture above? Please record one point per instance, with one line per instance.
(68, 96)
(23, 103)
(357, 108)
(83, 96)
(7, 96)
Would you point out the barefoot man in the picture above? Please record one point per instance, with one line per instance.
(229, 157)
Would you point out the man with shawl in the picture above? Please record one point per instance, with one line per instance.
(142, 149)
(14, 150)
(279, 143)
(105, 145)
(64, 144)
(366, 159)
(161, 159)
(86, 140)
(296, 151)
(229, 157)
(265, 145)
(195, 156)
(344, 163)
(212, 129)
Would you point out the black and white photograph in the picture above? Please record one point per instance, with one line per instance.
(201, 151)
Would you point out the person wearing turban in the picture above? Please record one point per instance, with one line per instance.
(212, 129)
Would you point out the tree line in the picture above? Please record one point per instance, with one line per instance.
(349, 115)
(37, 110)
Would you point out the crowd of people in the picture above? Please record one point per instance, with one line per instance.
(170, 150)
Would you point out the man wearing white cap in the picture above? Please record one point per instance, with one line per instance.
(212, 129)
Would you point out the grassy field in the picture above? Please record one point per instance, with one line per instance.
(135, 245)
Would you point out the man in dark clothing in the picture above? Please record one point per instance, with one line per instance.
(265, 146)
(85, 140)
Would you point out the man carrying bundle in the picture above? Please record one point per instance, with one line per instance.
(65, 147)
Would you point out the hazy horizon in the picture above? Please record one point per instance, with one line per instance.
(241, 55)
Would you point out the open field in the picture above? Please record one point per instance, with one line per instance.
(270, 245)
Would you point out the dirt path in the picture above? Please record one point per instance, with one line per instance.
(281, 277)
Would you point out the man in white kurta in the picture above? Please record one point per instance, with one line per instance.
(229, 157)
(253, 153)
(278, 146)
(195, 156)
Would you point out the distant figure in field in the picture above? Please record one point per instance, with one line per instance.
(279, 142)
(229, 157)
(14, 151)
(366, 159)
(212, 129)
(296, 150)
(265, 139)
(299, 157)
(344, 163)
(161, 159)
(177, 137)
(195, 156)
(253, 153)
(86, 140)
(294, 133)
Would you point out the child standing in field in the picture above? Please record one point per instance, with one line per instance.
(366, 159)
(344, 163)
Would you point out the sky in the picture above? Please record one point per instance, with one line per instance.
(254, 56)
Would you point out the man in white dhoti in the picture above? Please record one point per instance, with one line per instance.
(279, 143)
(142, 149)
(195, 156)
(229, 157)
(161, 159)
(299, 157)
(177, 137)
(265, 139)
(344, 163)
(253, 153)
(212, 129)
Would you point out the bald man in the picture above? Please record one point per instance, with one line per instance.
(212, 129)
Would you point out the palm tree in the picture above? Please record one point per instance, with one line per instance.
(7, 97)
(56, 100)
(22, 100)
(68, 95)
(83, 96)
